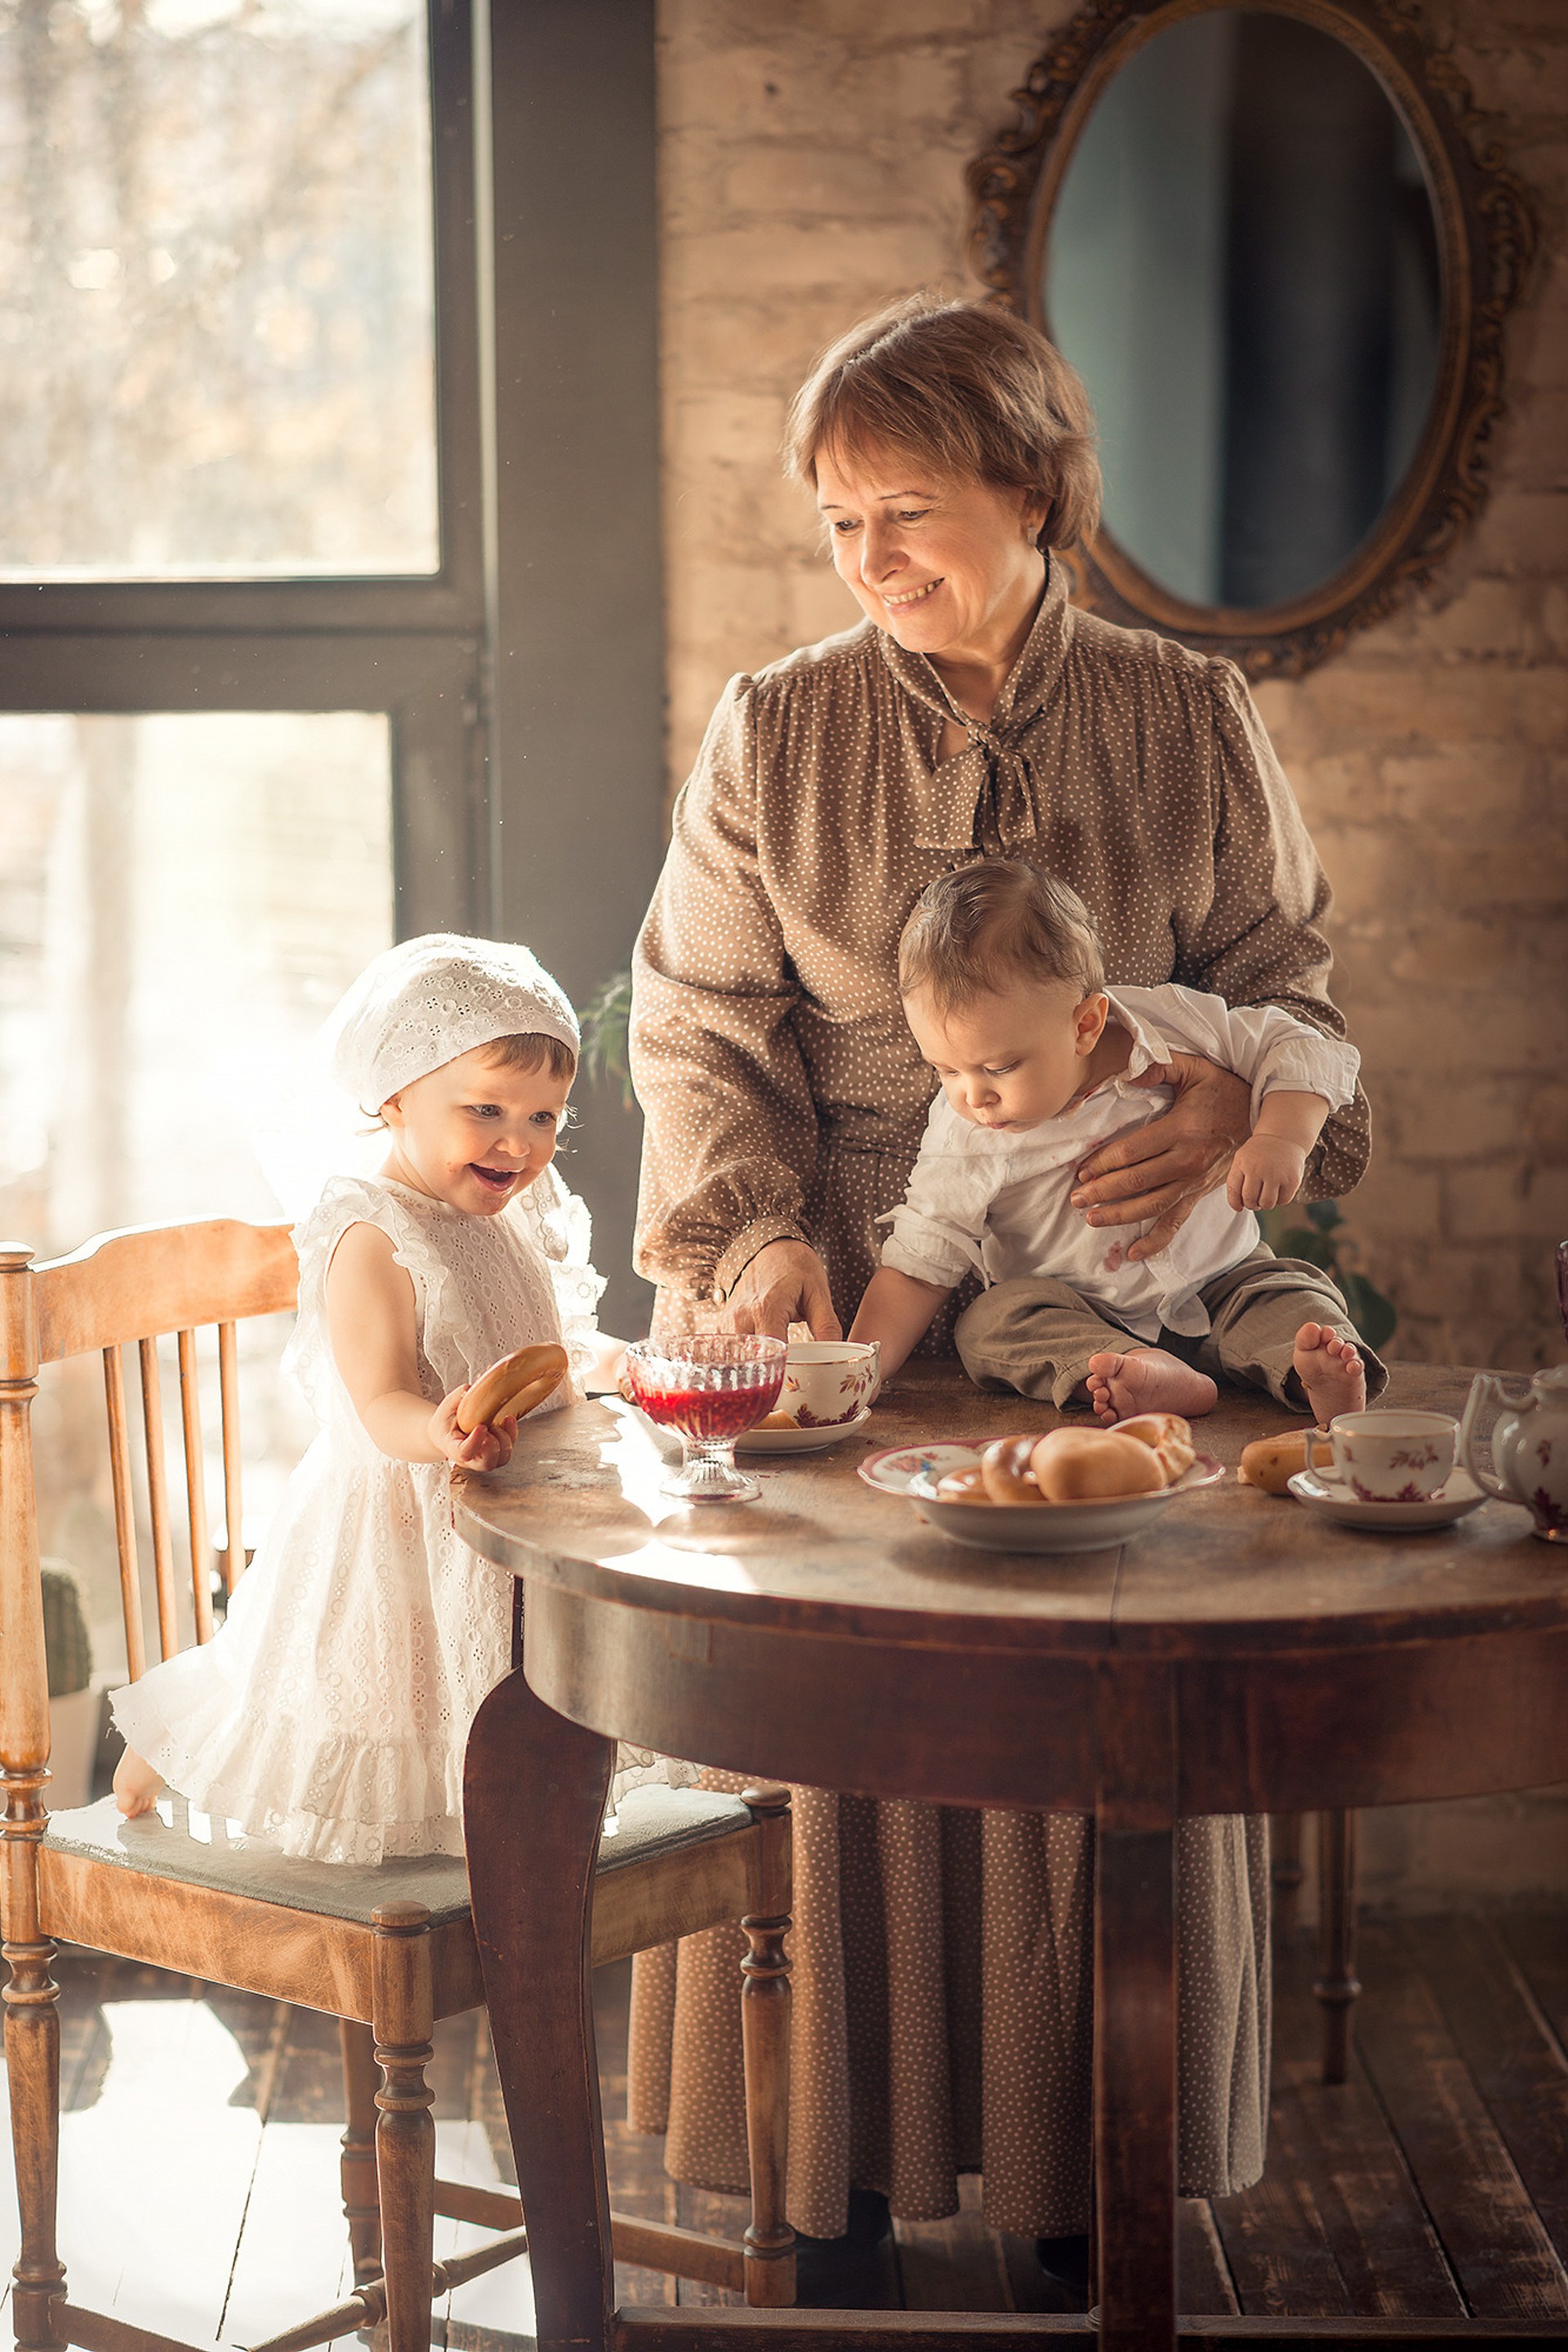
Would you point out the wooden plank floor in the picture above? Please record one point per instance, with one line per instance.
(1433, 2184)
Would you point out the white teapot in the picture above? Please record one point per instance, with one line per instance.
(1530, 1447)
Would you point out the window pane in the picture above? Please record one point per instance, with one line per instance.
(216, 288)
(182, 902)
(184, 899)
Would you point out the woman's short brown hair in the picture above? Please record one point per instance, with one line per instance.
(967, 387)
(999, 921)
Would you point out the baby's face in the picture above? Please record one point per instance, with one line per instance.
(1008, 1061)
(475, 1133)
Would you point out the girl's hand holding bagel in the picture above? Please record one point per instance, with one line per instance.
(475, 1428)
(487, 1447)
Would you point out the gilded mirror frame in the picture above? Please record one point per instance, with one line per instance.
(1485, 234)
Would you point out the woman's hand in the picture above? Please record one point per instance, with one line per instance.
(1164, 1170)
(785, 1283)
(488, 1447)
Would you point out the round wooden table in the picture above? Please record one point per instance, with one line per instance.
(1239, 1656)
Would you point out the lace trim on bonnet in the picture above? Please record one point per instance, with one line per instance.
(422, 1004)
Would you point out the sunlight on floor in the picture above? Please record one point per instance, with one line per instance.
(181, 2210)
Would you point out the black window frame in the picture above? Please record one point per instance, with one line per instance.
(409, 646)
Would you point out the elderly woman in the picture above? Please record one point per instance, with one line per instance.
(942, 1959)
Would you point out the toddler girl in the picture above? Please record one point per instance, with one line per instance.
(1004, 987)
(331, 1711)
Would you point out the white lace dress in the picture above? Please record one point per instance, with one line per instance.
(331, 1711)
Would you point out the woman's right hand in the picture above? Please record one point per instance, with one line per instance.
(785, 1283)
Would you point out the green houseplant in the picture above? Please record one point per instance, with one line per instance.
(1325, 1241)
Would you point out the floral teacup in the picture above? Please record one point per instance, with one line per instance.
(827, 1381)
(1393, 1458)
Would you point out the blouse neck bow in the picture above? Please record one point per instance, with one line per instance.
(985, 796)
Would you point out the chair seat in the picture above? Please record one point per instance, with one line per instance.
(175, 1843)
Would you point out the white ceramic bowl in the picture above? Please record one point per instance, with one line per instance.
(913, 1472)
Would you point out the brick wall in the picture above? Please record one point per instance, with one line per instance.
(813, 154)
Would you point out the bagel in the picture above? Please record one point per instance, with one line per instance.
(1005, 1467)
(1272, 1461)
(962, 1486)
(1079, 1465)
(1169, 1436)
(517, 1384)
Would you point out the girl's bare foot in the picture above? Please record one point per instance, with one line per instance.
(1147, 1380)
(137, 1788)
(1331, 1370)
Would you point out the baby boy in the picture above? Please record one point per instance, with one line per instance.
(1004, 987)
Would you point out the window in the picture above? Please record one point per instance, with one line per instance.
(243, 732)
(219, 260)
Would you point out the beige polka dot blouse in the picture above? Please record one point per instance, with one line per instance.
(768, 1045)
(943, 1959)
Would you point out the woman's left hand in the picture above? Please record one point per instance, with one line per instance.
(1164, 1170)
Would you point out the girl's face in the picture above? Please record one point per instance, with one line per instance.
(1007, 1062)
(946, 568)
(474, 1133)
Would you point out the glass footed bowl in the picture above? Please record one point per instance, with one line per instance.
(709, 1388)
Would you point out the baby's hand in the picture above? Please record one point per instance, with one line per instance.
(1267, 1170)
(488, 1447)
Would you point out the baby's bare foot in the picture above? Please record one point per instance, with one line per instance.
(1331, 1370)
(1146, 1380)
(137, 1788)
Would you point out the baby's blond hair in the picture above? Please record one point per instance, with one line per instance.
(994, 924)
(532, 1051)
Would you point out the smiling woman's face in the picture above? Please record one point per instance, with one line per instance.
(947, 568)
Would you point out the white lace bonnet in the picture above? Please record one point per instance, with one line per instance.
(421, 1003)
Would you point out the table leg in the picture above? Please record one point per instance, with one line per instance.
(1338, 1985)
(1136, 2007)
(1286, 1872)
(535, 1791)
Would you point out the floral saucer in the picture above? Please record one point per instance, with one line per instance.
(810, 1440)
(1330, 1498)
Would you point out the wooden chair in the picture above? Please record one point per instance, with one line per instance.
(386, 1951)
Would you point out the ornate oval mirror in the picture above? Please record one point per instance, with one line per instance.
(1266, 236)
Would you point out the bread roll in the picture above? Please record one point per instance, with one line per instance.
(962, 1486)
(1272, 1461)
(1005, 1467)
(517, 1384)
(1076, 1465)
(1170, 1437)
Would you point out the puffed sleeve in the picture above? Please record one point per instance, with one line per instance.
(1260, 940)
(732, 1134)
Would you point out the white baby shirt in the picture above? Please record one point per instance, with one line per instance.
(1001, 1202)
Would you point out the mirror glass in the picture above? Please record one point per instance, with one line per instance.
(1243, 264)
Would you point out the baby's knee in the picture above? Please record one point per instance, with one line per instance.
(1002, 1314)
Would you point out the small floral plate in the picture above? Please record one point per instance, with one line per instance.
(913, 1472)
(810, 1440)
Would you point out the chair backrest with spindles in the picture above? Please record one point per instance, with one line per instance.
(121, 1289)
